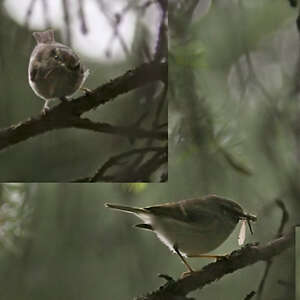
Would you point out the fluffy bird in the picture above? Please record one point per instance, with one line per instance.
(55, 70)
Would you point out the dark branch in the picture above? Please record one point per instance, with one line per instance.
(126, 131)
(67, 22)
(66, 114)
(248, 255)
(284, 219)
(141, 173)
(250, 295)
(81, 15)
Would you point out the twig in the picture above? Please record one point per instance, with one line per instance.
(250, 295)
(248, 255)
(284, 219)
(161, 50)
(29, 12)
(67, 21)
(46, 13)
(81, 15)
(126, 131)
(149, 167)
(117, 160)
(162, 100)
(114, 23)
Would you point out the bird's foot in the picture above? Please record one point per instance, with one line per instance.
(186, 274)
(86, 91)
(45, 108)
(222, 257)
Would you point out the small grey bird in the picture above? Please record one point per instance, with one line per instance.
(192, 227)
(54, 71)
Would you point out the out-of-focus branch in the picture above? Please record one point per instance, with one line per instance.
(140, 173)
(67, 21)
(285, 218)
(161, 50)
(250, 295)
(66, 114)
(248, 255)
(29, 12)
(81, 15)
(46, 13)
(114, 22)
(126, 131)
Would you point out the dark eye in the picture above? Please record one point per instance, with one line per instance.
(54, 54)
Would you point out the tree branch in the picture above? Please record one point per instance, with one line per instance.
(248, 255)
(127, 131)
(66, 114)
(129, 174)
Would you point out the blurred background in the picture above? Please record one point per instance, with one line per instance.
(297, 252)
(111, 37)
(233, 131)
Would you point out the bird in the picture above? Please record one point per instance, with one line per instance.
(192, 227)
(54, 70)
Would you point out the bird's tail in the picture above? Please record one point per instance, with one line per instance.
(128, 209)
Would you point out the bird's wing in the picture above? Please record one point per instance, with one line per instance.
(191, 211)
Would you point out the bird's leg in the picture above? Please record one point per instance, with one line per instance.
(46, 107)
(182, 258)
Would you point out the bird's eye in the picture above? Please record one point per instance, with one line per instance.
(54, 54)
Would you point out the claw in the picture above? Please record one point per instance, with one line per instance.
(86, 91)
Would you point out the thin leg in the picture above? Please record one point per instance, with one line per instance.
(182, 258)
(46, 107)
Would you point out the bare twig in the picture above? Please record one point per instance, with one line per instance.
(250, 295)
(114, 22)
(46, 13)
(119, 159)
(126, 131)
(67, 22)
(81, 15)
(285, 217)
(29, 12)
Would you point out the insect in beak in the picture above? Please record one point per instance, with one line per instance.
(242, 235)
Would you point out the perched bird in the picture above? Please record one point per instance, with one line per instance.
(193, 227)
(54, 69)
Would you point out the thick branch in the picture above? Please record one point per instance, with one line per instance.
(66, 114)
(247, 256)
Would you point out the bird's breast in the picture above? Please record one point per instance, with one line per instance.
(191, 238)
